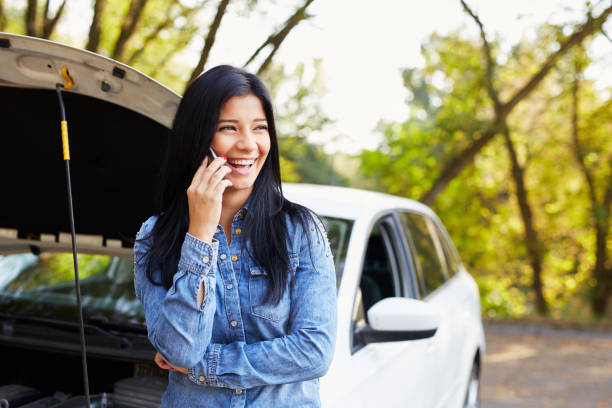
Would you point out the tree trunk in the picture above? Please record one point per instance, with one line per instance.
(531, 238)
(299, 16)
(169, 19)
(30, 18)
(275, 40)
(128, 27)
(603, 275)
(456, 165)
(49, 22)
(210, 40)
(600, 212)
(2, 16)
(95, 28)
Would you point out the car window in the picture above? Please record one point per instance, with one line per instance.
(338, 234)
(42, 284)
(429, 266)
(450, 256)
(379, 277)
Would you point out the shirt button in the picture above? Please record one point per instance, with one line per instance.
(238, 231)
(230, 286)
(238, 392)
(233, 323)
(202, 378)
(240, 214)
(223, 256)
(206, 259)
(234, 258)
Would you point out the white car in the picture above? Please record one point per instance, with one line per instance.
(409, 326)
(409, 332)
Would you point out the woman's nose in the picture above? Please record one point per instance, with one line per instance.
(247, 141)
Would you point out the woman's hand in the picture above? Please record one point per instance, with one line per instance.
(165, 365)
(205, 194)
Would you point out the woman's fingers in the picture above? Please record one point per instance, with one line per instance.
(218, 176)
(214, 166)
(161, 362)
(197, 177)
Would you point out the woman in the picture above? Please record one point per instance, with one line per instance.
(237, 283)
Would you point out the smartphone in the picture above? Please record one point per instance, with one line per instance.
(211, 155)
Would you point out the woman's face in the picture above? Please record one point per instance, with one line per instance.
(242, 136)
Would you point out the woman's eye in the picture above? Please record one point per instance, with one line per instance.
(262, 127)
(223, 128)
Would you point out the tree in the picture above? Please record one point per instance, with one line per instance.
(593, 153)
(461, 160)
(2, 16)
(451, 106)
(297, 118)
(150, 33)
(36, 27)
(534, 247)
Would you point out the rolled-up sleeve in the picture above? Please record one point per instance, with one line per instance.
(306, 351)
(179, 327)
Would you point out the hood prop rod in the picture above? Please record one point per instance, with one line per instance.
(66, 151)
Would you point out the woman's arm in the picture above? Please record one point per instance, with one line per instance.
(305, 353)
(179, 320)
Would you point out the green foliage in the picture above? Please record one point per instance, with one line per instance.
(450, 108)
(299, 115)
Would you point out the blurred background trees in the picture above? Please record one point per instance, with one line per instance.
(495, 143)
(511, 145)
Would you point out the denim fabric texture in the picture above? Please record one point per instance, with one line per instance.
(240, 350)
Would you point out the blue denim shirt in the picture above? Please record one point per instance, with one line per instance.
(240, 351)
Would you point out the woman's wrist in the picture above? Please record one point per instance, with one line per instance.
(202, 235)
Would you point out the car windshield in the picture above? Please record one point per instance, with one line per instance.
(41, 284)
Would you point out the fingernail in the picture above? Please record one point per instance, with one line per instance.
(223, 157)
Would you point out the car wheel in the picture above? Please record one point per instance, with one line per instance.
(472, 396)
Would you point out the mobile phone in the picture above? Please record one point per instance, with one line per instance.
(211, 155)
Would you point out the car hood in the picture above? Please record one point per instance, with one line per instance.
(118, 120)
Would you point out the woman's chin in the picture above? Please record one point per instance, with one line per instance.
(240, 185)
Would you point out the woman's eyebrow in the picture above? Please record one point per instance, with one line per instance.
(235, 121)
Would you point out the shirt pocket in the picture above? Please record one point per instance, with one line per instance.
(260, 286)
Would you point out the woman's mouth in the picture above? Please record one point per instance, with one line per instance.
(241, 166)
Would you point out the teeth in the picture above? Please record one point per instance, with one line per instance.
(242, 162)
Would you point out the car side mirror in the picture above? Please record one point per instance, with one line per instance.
(400, 319)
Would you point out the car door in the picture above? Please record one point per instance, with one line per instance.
(436, 287)
(392, 373)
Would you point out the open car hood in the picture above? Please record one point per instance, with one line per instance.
(118, 120)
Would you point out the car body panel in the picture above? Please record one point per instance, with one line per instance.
(425, 373)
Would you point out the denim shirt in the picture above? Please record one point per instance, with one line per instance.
(239, 350)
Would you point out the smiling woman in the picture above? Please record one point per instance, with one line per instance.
(237, 282)
(242, 136)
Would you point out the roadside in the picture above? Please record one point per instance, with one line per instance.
(541, 366)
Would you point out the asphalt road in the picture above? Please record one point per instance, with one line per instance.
(527, 366)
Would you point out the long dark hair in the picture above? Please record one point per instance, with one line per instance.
(190, 138)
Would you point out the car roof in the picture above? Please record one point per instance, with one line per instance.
(348, 203)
